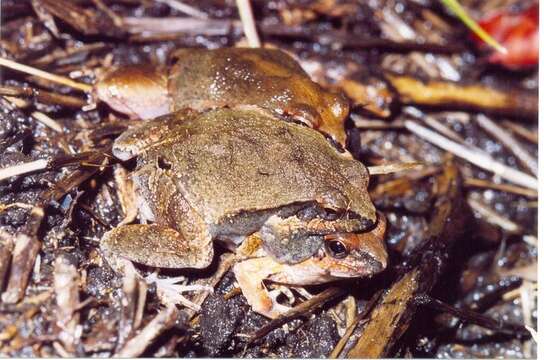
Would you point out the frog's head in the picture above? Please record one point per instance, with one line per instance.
(340, 255)
(137, 91)
(319, 227)
(333, 254)
(355, 254)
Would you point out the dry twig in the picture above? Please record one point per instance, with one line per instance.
(476, 158)
(303, 309)
(393, 168)
(528, 161)
(473, 317)
(342, 39)
(66, 285)
(493, 218)
(6, 248)
(484, 184)
(184, 8)
(248, 23)
(353, 325)
(130, 302)
(474, 97)
(391, 317)
(148, 28)
(25, 168)
(432, 122)
(45, 75)
(25, 251)
(47, 121)
(519, 130)
(43, 96)
(163, 321)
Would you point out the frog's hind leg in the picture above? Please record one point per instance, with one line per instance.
(156, 245)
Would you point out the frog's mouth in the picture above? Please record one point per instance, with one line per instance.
(354, 266)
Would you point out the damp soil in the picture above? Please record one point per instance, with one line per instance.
(489, 267)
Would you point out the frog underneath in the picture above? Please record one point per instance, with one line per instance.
(202, 79)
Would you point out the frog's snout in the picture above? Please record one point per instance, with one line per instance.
(365, 253)
(372, 244)
(375, 262)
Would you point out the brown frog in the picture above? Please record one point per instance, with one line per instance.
(341, 256)
(202, 79)
(226, 174)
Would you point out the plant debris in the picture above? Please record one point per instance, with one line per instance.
(448, 134)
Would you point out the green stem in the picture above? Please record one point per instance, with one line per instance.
(458, 10)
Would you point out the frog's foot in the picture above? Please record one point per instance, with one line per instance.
(157, 246)
(169, 290)
(250, 275)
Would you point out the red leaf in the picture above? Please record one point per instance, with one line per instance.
(518, 33)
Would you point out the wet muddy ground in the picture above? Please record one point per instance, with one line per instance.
(465, 236)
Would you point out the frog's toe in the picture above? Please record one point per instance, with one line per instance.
(170, 290)
(157, 246)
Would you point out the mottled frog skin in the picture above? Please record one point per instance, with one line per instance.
(225, 174)
(268, 78)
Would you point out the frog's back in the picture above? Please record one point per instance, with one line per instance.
(268, 78)
(228, 162)
(202, 79)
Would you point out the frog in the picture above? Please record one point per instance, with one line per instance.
(223, 175)
(203, 79)
(344, 255)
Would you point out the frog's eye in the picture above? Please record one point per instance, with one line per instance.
(336, 249)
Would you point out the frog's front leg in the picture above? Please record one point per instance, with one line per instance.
(250, 275)
(178, 239)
